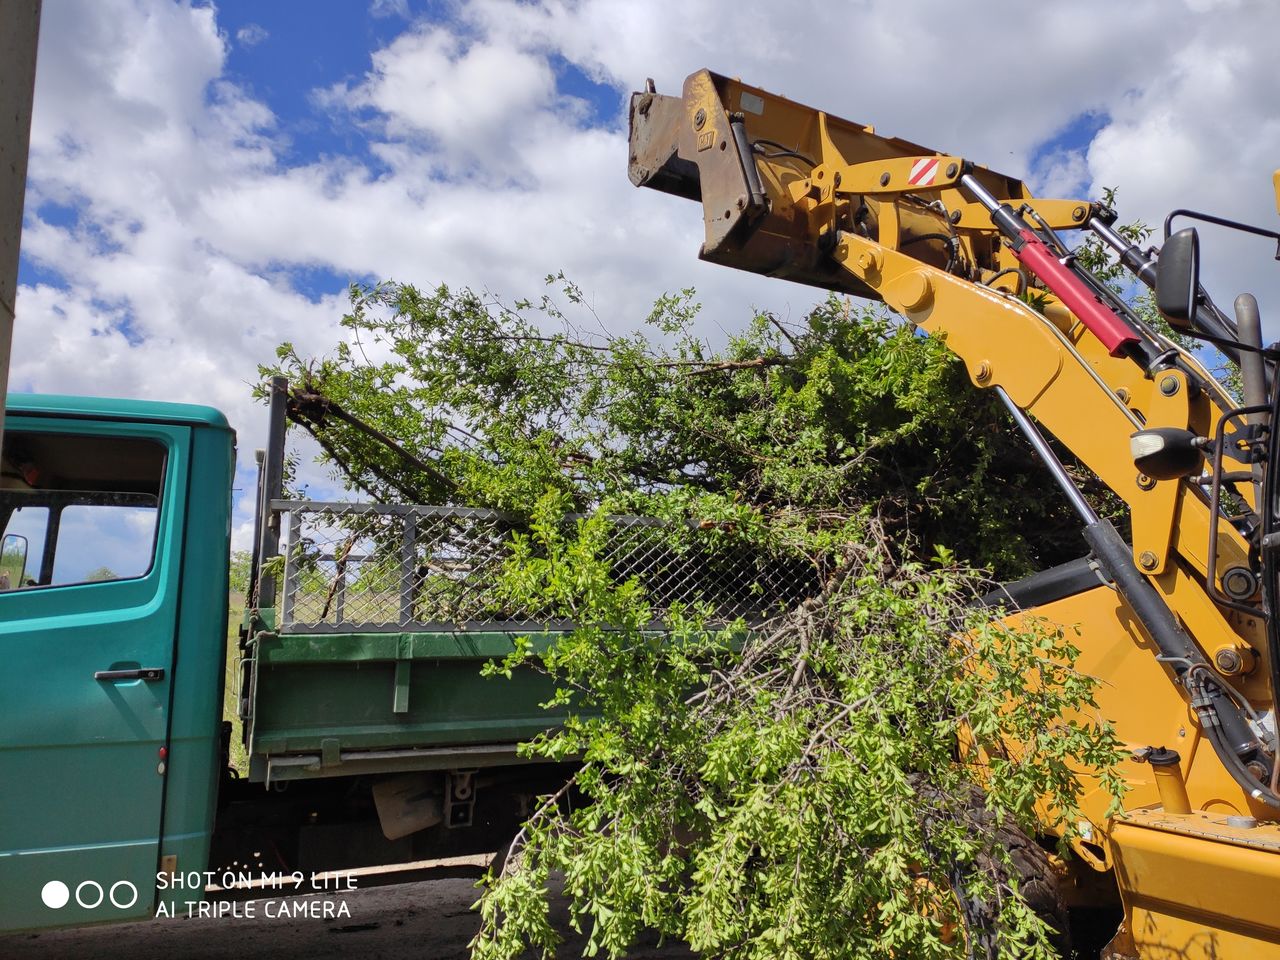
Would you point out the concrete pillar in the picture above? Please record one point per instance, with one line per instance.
(19, 31)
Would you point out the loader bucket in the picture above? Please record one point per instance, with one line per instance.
(756, 163)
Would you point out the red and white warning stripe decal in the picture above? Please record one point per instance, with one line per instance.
(923, 172)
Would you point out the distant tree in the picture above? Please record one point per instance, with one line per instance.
(240, 563)
(12, 562)
(101, 573)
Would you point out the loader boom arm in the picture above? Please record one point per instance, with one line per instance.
(967, 253)
(798, 194)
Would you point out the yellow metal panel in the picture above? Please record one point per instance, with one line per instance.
(974, 321)
(1195, 888)
(1139, 697)
(890, 175)
(1155, 507)
(1136, 695)
(1059, 214)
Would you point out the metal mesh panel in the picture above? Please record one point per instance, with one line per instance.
(361, 567)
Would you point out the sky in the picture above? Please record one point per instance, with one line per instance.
(206, 180)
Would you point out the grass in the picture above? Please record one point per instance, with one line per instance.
(239, 759)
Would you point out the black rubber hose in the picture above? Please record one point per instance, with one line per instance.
(1219, 715)
(1200, 691)
(1115, 558)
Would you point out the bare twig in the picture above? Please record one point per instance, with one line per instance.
(782, 330)
(758, 363)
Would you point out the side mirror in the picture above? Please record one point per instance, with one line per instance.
(13, 561)
(1178, 277)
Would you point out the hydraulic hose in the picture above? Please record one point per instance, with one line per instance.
(1219, 715)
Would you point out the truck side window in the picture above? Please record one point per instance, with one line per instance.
(80, 508)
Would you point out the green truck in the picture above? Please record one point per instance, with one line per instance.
(370, 734)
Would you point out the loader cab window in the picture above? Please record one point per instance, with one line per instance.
(83, 509)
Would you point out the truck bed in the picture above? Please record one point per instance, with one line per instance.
(387, 613)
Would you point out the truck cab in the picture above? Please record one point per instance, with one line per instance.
(113, 613)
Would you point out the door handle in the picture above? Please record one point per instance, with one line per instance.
(141, 673)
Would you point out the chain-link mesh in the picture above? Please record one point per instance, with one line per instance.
(360, 567)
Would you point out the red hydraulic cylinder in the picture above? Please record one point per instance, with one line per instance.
(1115, 334)
(1033, 253)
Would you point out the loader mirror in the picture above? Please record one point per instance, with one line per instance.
(1178, 277)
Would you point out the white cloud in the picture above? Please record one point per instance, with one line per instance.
(389, 8)
(1204, 135)
(1061, 173)
(133, 125)
(189, 219)
(471, 100)
(251, 34)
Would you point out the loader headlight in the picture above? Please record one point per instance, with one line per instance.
(1167, 453)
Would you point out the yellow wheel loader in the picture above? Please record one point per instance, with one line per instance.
(1181, 625)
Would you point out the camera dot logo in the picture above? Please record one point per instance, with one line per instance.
(89, 894)
(124, 888)
(55, 894)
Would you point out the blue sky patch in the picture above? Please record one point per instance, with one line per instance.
(316, 281)
(281, 58)
(1075, 136)
(606, 104)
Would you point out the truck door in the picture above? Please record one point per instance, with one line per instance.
(92, 514)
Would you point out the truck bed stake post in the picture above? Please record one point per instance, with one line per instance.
(255, 553)
(272, 487)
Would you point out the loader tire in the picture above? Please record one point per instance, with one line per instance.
(1041, 885)
(1031, 871)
